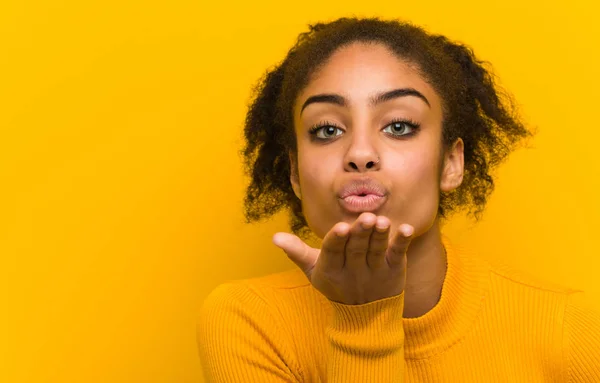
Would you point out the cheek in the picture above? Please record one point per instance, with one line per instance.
(418, 171)
(316, 173)
(415, 186)
(411, 167)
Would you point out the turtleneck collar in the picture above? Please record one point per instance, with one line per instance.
(463, 292)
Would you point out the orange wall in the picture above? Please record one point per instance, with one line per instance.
(121, 187)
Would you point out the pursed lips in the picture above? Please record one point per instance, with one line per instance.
(362, 195)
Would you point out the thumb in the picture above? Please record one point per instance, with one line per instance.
(304, 256)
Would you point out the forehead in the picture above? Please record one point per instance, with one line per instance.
(360, 70)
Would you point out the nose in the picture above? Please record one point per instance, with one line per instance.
(361, 156)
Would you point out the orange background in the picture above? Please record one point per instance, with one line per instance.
(121, 197)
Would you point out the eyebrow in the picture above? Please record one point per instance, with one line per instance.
(373, 101)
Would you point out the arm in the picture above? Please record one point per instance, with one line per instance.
(362, 273)
(582, 340)
(367, 342)
(239, 339)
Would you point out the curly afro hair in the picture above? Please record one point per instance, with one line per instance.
(474, 109)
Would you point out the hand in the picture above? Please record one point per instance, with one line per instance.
(357, 263)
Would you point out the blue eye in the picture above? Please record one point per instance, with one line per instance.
(400, 128)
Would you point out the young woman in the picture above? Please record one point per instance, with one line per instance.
(371, 132)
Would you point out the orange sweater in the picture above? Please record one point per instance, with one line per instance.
(492, 324)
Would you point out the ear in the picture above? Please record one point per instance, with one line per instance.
(294, 179)
(452, 174)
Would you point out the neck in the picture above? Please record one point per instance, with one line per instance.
(426, 270)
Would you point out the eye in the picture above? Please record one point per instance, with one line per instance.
(325, 132)
(328, 132)
(401, 128)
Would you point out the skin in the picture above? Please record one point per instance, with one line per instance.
(364, 255)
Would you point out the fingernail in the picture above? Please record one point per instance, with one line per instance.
(366, 226)
(407, 231)
(341, 231)
(382, 227)
(278, 240)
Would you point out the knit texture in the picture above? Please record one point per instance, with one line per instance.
(492, 324)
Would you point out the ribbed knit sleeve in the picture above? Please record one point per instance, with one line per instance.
(366, 342)
(240, 339)
(582, 339)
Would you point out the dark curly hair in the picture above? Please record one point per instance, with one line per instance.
(474, 108)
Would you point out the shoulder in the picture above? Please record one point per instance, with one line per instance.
(504, 274)
(581, 338)
(573, 312)
(262, 287)
(289, 279)
(240, 328)
(582, 314)
(254, 295)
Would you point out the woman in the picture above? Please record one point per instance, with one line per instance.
(371, 132)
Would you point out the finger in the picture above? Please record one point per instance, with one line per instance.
(333, 247)
(378, 243)
(396, 253)
(358, 241)
(299, 252)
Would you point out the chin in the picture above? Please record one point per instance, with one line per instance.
(321, 226)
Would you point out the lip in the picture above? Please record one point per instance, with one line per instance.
(363, 195)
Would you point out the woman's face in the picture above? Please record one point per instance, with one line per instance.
(375, 143)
